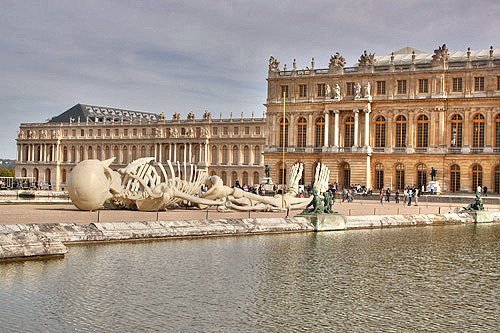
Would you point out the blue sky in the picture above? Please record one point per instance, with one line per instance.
(181, 56)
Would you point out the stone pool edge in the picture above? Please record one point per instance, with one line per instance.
(27, 241)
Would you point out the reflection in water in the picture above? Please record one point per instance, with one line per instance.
(432, 279)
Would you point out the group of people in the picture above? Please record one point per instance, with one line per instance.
(410, 194)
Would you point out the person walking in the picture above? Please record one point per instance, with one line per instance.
(409, 196)
(397, 196)
(415, 195)
(388, 195)
(381, 194)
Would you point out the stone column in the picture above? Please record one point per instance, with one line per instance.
(199, 153)
(190, 153)
(160, 157)
(327, 126)
(337, 129)
(207, 159)
(368, 172)
(185, 153)
(356, 127)
(175, 152)
(367, 125)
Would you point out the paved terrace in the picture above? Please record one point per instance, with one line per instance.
(68, 213)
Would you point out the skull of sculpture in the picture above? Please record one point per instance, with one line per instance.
(91, 183)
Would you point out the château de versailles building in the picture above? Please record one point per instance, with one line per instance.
(386, 122)
(230, 148)
(390, 120)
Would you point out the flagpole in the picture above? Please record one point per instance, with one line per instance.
(283, 157)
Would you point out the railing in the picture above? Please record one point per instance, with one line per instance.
(455, 150)
(476, 150)
(378, 149)
(399, 149)
(421, 149)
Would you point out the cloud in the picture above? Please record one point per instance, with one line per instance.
(190, 56)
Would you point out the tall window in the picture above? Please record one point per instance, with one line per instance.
(225, 155)
(401, 131)
(401, 86)
(498, 82)
(302, 90)
(301, 132)
(256, 177)
(256, 155)
(456, 130)
(478, 130)
(400, 176)
(379, 176)
(234, 177)
(380, 131)
(244, 178)
(422, 131)
(457, 84)
(215, 155)
(421, 176)
(423, 86)
(497, 133)
(246, 155)
(284, 91)
(282, 174)
(321, 90)
(497, 179)
(350, 88)
(346, 169)
(477, 177)
(479, 83)
(283, 132)
(223, 176)
(380, 87)
(320, 131)
(349, 131)
(455, 178)
(236, 153)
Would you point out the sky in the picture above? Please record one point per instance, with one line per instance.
(182, 56)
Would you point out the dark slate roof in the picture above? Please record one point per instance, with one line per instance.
(92, 113)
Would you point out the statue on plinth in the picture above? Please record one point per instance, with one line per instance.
(476, 205)
(316, 204)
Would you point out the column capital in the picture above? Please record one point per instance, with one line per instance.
(367, 110)
(355, 111)
(327, 112)
(336, 111)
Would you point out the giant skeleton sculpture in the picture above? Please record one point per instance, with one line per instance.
(148, 186)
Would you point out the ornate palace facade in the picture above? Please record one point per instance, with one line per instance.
(390, 120)
(230, 148)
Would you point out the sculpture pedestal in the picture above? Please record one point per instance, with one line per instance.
(325, 222)
(436, 186)
(268, 184)
(481, 216)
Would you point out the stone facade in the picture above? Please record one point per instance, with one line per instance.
(389, 120)
(230, 148)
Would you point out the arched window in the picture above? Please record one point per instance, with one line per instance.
(151, 151)
(65, 154)
(116, 154)
(422, 131)
(47, 176)
(236, 153)
(35, 174)
(283, 133)
(215, 156)
(245, 178)
(24, 172)
(400, 176)
(107, 152)
(380, 131)
(257, 155)
(73, 154)
(223, 176)
(81, 157)
(349, 131)
(246, 155)
(320, 131)
(64, 175)
(478, 131)
(497, 133)
(143, 151)
(497, 179)
(401, 131)
(301, 132)
(346, 175)
(134, 153)
(225, 155)
(456, 130)
(234, 178)
(256, 178)
(90, 153)
(125, 155)
(282, 173)
(27, 151)
(379, 176)
(99, 153)
(421, 176)
(38, 153)
(477, 177)
(455, 178)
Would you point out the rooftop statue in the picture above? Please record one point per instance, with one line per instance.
(366, 60)
(148, 186)
(337, 61)
(274, 64)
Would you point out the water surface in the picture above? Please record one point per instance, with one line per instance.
(393, 280)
